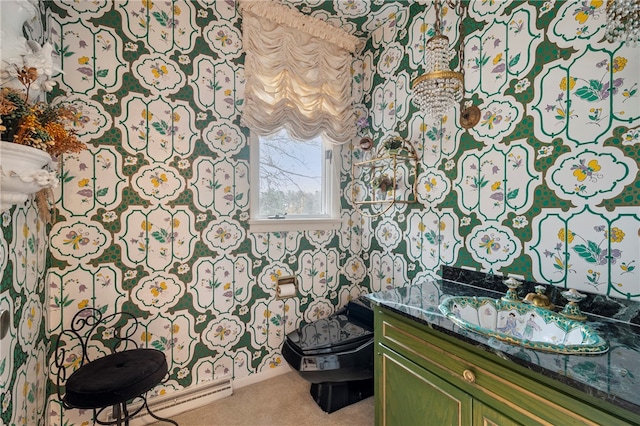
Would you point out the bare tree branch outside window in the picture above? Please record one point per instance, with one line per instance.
(290, 175)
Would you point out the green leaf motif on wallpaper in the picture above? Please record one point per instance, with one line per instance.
(435, 134)
(102, 192)
(63, 51)
(31, 242)
(627, 267)
(514, 60)
(590, 93)
(62, 303)
(162, 236)
(161, 344)
(276, 320)
(432, 237)
(512, 194)
(162, 18)
(481, 61)
(66, 177)
(102, 73)
(213, 184)
(479, 182)
(212, 85)
(590, 252)
(163, 127)
(3, 365)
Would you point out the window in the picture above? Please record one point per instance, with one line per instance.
(294, 183)
(296, 78)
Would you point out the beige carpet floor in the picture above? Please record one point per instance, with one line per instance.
(280, 401)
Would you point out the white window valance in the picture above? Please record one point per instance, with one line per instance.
(298, 73)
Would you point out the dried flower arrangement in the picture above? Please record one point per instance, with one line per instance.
(36, 124)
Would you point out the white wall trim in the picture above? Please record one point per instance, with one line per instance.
(261, 376)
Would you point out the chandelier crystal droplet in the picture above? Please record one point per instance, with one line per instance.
(623, 21)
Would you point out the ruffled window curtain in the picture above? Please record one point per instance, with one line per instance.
(297, 71)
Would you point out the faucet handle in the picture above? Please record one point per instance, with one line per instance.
(573, 296)
(512, 293)
(512, 283)
(540, 289)
(571, 309)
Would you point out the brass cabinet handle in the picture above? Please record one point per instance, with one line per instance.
(469, 376)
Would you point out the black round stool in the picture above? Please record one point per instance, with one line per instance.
(111, 381)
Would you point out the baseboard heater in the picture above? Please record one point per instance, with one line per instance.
(181, 401)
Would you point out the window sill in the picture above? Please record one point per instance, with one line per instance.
(282, 225)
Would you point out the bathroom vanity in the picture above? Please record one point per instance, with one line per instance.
(429, 371)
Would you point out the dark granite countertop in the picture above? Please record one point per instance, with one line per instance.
(613, 376)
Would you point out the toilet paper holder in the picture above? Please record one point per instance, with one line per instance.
(286, 287)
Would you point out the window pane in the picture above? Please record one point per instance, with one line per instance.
(291, 176)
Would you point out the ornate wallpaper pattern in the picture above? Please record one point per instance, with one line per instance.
(153, 218)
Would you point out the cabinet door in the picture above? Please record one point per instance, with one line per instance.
(409, 395)
(483, 415)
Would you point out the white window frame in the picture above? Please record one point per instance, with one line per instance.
(331, 220)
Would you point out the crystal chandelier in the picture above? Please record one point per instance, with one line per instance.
(437, 91)
(440, 88)
(623, 21)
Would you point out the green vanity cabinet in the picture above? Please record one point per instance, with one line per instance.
(401, 395)
(426, 377)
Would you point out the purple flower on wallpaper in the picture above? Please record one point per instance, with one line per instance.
(501, 67)
(498, 196)
(604, 257)
(362, 122)
(86, 71)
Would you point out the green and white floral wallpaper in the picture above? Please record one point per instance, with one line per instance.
(153, 218)
(546, 185)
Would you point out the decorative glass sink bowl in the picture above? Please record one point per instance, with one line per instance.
(523, 324)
